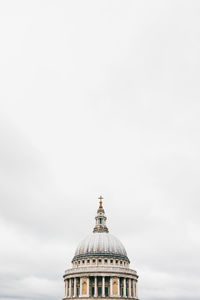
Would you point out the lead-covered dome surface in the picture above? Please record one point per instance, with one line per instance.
(101, 244)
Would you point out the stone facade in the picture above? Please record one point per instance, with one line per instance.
(100, 267)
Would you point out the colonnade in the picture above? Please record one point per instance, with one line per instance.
(100, 286)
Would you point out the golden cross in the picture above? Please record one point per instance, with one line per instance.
(100, 201)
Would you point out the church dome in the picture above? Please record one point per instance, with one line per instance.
(100, 267)
(100, 242)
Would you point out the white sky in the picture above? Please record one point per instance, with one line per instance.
(99, 97)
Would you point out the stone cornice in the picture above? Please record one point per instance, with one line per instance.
(103, 271)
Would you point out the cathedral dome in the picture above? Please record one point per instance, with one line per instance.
(100, 267)
(101, 244)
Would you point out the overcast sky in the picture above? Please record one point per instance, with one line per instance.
(99, 97)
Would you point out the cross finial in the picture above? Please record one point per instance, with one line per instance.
(100, 201)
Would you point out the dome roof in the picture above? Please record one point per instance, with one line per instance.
(101, 244)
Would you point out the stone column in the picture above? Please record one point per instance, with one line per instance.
(135, 288)
(95, 286)
(124, 288)
(65, 288)
(129, 288)
(70, 288)
(103, 286)
(118, 287)
(74, 287)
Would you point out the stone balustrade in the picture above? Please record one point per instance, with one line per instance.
(100, 269)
